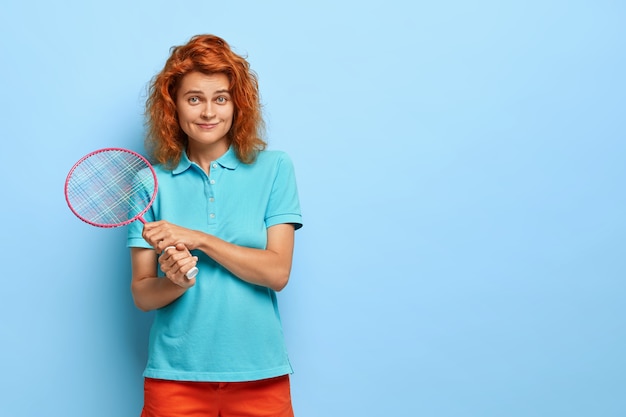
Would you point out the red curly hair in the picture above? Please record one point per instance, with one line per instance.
(207, 54)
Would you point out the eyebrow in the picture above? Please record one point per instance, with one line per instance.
(202, 92)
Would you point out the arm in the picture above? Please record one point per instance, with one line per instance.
(150, 291)
(268, 267)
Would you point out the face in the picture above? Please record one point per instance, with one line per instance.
(205, 111)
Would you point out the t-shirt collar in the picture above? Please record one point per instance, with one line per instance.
(229, 161)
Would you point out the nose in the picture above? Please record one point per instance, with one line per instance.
(207, 111)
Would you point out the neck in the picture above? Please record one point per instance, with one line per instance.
(204, 155)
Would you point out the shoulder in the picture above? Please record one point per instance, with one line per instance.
(160, 169)
(162, 172)
(271, 165)
(273, 158)
(272, 155)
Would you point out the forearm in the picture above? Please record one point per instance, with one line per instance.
(268, 267)
(152, 293)
(149, 291)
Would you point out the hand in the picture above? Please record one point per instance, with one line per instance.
(162, 234)
(176, 262)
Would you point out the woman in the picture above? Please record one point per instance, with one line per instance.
(230, 208)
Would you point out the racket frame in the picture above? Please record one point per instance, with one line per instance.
(139, 216)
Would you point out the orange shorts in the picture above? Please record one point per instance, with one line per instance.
(264, 398)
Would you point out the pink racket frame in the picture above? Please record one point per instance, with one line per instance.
(139, 216)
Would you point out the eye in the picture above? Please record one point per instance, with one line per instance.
(193, 100)
(221, 100)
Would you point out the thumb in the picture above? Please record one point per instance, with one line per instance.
(181, 246)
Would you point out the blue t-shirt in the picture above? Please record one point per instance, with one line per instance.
(223, 329)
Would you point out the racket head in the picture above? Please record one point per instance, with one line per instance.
(111, 187)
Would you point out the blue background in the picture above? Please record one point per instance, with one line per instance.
(461, 168)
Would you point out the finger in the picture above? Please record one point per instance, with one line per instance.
(178, 276)
(189, 267)
(152, 237)
(168, 259)
(181, 247)
(162, 243)
(166, 264)
(171, 256)
(149, 229)
(186, 264)
(154, 233)
(175, 251)
(154, 225)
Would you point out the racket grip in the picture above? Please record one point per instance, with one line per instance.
(192, 272)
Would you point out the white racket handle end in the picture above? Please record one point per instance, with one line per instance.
(192, 273)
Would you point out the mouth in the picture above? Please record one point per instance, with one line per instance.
(206, 125)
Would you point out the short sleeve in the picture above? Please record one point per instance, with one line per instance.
(284, 204)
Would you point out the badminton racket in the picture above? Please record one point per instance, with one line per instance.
(112, 187)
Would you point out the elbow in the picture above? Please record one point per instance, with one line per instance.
(142, 307)
(280, 282)
(138, 301)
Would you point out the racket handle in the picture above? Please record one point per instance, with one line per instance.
(192, 272)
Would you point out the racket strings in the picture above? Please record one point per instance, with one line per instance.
(111, 192)
(115, 186)
(110, 187)
(110, 201)
(115, 204)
